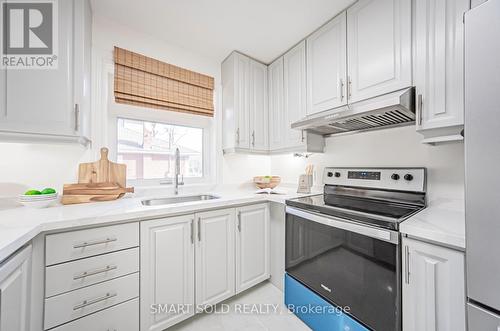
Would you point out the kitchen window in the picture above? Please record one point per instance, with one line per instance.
(148, 149)
(145, 140)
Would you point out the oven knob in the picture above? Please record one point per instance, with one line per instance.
(330, 174)
(395, 176)
(337, 174)
(408, 177)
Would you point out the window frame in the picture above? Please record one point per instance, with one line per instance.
(123, 111)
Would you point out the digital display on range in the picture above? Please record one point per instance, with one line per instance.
(372, 175)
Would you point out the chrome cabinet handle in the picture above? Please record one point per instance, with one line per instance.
(239, 221)
(199, 228)
(420, 108)
(302, 138)
(349, 87)
(95, 272)
(238, 136)
(77, 117)
(341, 89)
(93, 243)
(86, 303)
(407, 267)
(253, 138)
(192, 231)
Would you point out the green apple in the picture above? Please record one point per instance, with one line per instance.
(48, 190)
(32, 192)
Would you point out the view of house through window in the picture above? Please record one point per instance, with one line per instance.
(148, 149)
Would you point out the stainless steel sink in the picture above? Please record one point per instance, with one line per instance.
(172, 200)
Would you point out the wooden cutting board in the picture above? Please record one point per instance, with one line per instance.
(95, 189)
(102, 180)
(103, 171)
(92, 192)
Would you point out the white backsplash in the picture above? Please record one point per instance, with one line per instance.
(399, 147)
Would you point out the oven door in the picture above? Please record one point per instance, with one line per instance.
(353, 266)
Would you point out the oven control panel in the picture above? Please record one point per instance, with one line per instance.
(403, 179)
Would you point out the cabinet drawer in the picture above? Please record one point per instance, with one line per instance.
(482, 320)
(67, 246)
(72, 305)
(73, 275)
(122, 317)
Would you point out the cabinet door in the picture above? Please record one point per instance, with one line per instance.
(326, 66)
(295, 93)
(167, 271)
(258, 107)
(82, 72)
(379, 47)
(439, 62)
(14, 292)
(433, 287)
(241, 100)
(276, 113)
(252, 246)
(215, 256)
(40, 101)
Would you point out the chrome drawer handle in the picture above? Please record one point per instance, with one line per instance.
(86, 303)
(93, 243)
(95, 272)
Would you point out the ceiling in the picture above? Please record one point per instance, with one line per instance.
(263, 29)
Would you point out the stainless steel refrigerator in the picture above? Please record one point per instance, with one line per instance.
(482, 165)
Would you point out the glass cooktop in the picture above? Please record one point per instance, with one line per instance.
(379, 213)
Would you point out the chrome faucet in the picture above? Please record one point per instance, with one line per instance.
(177, 172)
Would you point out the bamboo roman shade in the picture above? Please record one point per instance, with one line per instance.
(143, 81)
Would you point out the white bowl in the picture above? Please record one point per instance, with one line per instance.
(37, 197)
(38, 203)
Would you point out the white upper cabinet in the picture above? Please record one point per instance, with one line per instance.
(61, 109)
(379, 47)
(15, 278)
(295, 93)
(259, 139)
(433, 287)
(242, 97)
(252, 246)
(167, 270)
(244, 104)
(326, 66)
(215, 268)
(276, 107)
(439, 68)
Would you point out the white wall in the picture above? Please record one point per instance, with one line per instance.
(24, 166)
(399, 147)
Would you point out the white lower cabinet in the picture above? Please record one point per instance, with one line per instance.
(167, 271)
(252, 246)
(433, 287)
(215, 256)
(15, 277)
(193, 261)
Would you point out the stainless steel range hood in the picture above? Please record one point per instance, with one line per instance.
(385, 111)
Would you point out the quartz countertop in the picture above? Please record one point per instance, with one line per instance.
(442, 222)
(18, 224)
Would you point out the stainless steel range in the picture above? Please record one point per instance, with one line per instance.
(343, 245)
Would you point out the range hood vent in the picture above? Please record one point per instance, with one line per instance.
(386, 111)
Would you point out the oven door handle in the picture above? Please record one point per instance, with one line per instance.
(385, 235)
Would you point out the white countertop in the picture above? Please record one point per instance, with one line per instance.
(442, 222)
(19, 225)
